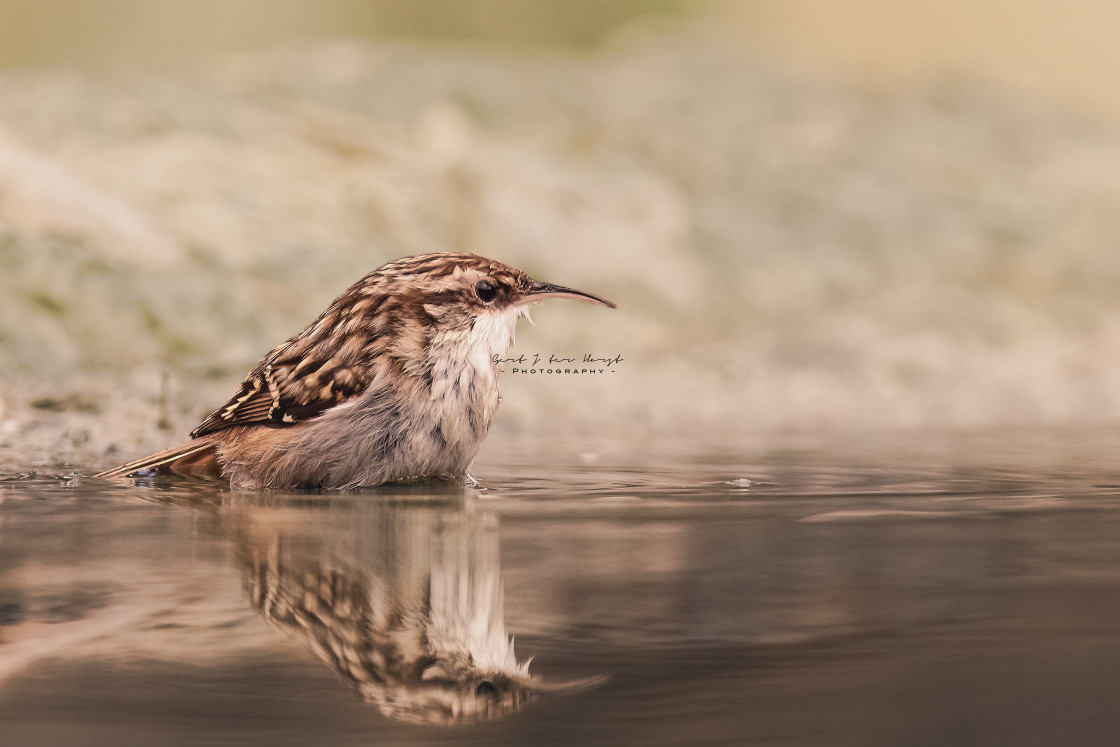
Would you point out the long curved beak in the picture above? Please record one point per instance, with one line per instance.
(539, 291)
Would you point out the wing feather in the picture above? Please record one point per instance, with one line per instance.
(295, 382)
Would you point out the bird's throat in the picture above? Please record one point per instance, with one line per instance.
(464, 382)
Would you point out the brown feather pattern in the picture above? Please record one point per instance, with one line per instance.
(320, 368)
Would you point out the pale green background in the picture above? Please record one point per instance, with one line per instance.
(812, 221)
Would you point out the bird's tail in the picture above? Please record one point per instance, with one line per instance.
(198, 458)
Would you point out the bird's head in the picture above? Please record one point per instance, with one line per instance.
(454, 287)
(460, 300)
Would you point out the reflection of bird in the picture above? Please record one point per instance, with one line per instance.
(396, 380)
(404, 602)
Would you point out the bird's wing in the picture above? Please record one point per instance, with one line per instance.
(290, 385)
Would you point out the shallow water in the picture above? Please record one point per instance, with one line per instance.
(965, 592)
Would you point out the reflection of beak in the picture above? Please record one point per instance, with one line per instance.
(539, 291)
(571, 687)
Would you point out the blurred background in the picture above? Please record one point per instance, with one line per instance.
(815, 217)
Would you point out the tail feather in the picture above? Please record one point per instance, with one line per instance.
(197, 457)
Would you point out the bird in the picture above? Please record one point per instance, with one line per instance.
(396, 381)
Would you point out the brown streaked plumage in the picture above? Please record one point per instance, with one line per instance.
(394, 381)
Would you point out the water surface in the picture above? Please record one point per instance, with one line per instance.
(799, 596)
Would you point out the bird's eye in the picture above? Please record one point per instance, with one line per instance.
(485, 689)
(485, 291)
